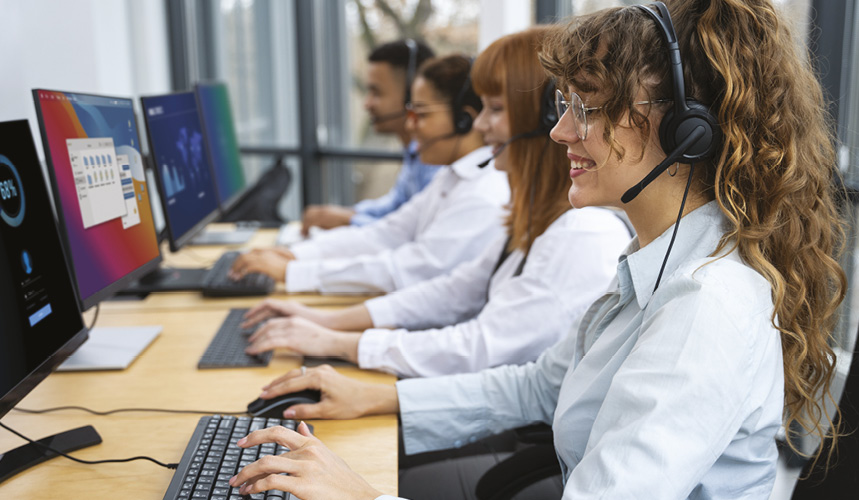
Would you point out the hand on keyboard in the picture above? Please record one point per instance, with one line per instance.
(304, 337)
(271, 308)
(269, 261)
(314, 471)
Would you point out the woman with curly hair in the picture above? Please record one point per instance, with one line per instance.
(676, 381)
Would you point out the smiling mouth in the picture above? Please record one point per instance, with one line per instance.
(579, 163)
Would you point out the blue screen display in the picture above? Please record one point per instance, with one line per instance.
(180, 159)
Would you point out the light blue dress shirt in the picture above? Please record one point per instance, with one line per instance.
(673, 394)
(413, 177)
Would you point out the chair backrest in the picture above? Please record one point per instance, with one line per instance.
(842, 476)
(261, 201)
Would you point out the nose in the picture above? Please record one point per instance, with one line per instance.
(481, 123)
(564, 132)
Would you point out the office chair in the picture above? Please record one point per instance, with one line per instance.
(525, 467)
(261, 201)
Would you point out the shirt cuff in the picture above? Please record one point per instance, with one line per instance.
(306, 250)
(303, 276)
(438, 412)
(371, 347)
(382, 312)
(388, 497)
(360, 219)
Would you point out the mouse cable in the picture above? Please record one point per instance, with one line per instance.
(128, 410)
(88, 462)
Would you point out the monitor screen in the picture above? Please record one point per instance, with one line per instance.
(93, 153)
(41, 322)
(181, 164)
(220, 132)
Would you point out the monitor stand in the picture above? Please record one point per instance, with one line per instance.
(166, 279)
(111, 348)
(237, 236)
(29, 455)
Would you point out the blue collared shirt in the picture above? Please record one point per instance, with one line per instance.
(673, 394)
(413, 177)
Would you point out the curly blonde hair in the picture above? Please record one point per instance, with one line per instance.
(775, 176)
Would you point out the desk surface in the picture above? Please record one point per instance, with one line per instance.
(165, 376)
(205, 256)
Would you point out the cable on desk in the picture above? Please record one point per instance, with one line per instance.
(128, 410)
(95, 318)
(88, 462)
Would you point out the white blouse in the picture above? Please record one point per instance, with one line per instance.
(450, 222)
(473, 319)
(672, 394)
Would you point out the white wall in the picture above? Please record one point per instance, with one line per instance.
(502, 17)
(114, 47)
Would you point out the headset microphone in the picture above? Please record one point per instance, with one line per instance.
(389, 116)
(432, 140)
(496, 154)
(675, 155)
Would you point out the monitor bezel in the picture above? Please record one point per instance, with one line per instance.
(111, 289)
(178, 241)
(32, 379)
(231, 202)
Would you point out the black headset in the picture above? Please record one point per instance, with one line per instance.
(548, 111)
(689, 132)
(462, 120)
(688, 114)
(411, 67)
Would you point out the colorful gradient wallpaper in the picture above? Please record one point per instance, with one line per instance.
(214, 102)
(106, 251)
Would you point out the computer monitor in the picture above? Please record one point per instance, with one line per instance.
(42, 323)
(96, 169)
(213, 100)
(181, 165)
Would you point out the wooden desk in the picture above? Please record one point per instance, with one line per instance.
(165, 376)
(206, 256)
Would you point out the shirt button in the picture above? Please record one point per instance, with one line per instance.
(458, 443)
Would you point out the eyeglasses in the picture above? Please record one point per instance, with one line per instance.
(422, 109)
(580, 112)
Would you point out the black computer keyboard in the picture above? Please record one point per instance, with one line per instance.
(216, 283)
(227, 348)
(212, 458)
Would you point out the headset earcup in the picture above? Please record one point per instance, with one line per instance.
(462, 123)
(675, 128)
(548, 113)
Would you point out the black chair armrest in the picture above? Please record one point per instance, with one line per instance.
(535, 434)
(523, 468)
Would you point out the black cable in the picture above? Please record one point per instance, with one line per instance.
(126, 410)
(676, 225)
(95, 318)
(88, 462)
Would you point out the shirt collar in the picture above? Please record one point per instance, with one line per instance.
(466, 167)
(698, 235)
(411, 149)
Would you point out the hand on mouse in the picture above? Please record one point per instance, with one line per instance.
(271, 308)
(304, 337)
(342, 397)
(314, 470)
(269, 261)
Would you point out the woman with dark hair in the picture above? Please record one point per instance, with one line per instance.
(449, 222)
(520, 295)
(676, 381)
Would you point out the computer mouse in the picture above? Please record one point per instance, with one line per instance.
(274, 407)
